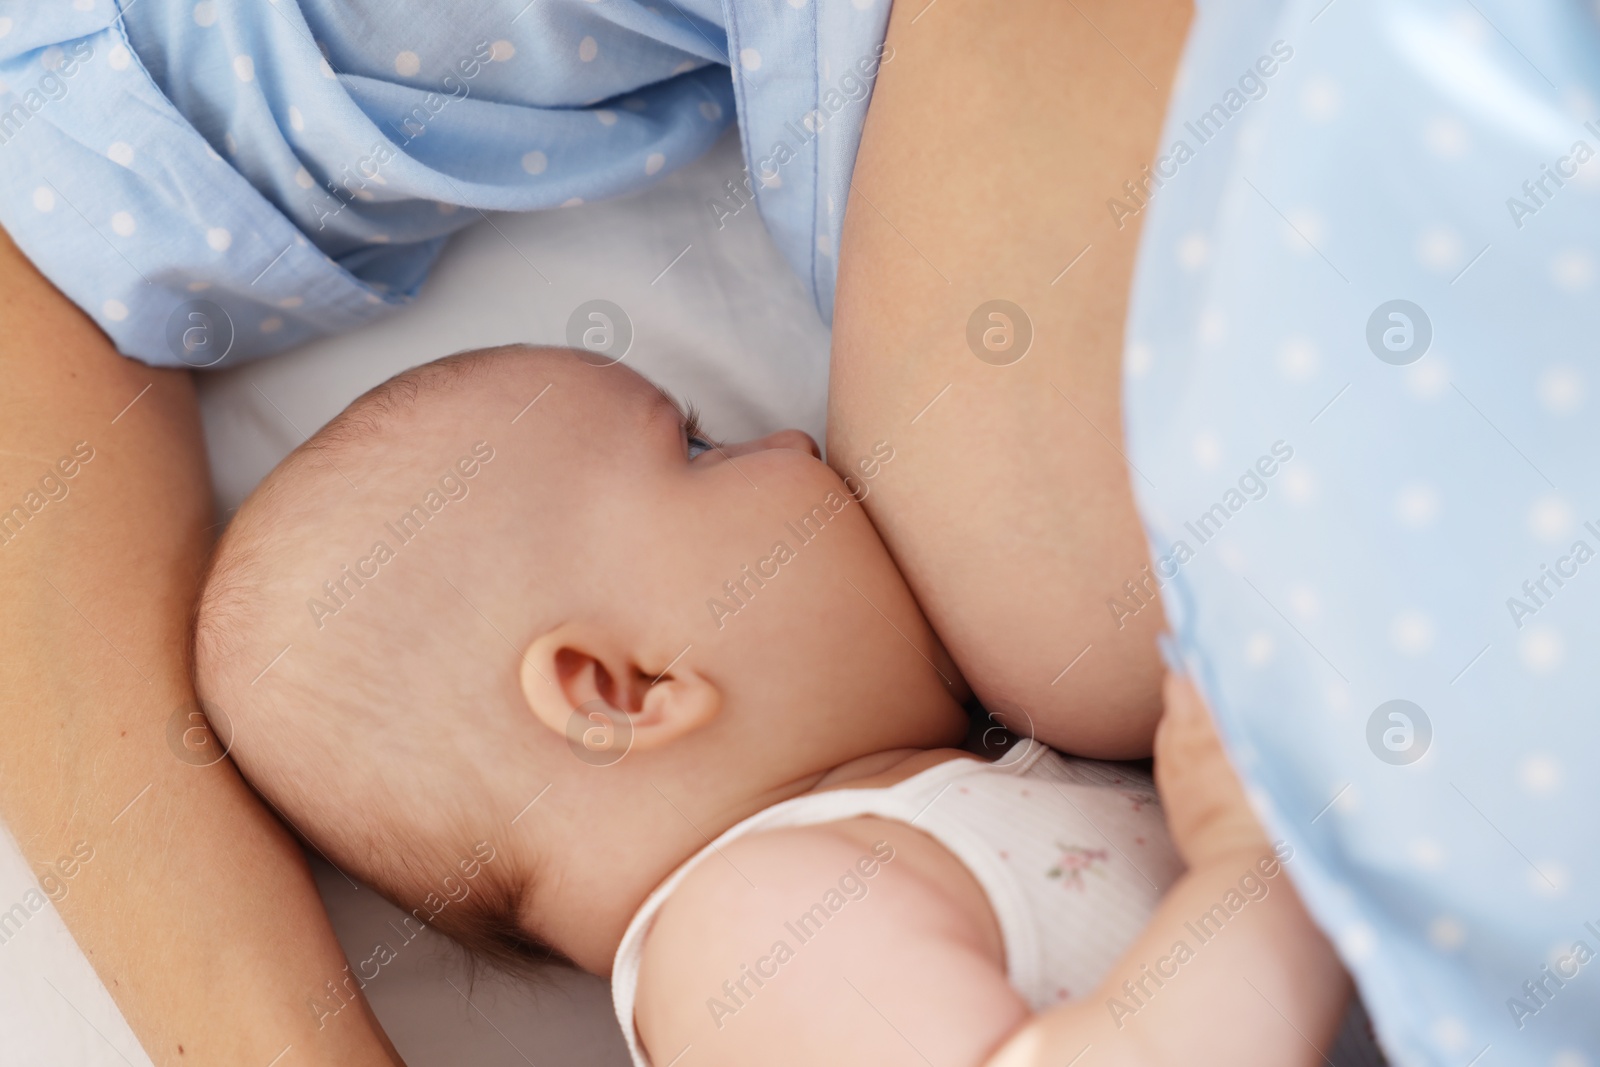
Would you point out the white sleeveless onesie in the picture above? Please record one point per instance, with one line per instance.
(1073, 855)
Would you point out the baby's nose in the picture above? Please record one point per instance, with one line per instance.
(797, 440)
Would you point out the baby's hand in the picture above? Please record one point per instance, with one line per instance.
(1207, 813)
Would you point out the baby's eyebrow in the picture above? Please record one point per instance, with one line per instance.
(665, 399)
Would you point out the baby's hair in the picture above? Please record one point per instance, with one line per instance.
(489, 931)
(367, 413)
(484, 922)
(329, 735)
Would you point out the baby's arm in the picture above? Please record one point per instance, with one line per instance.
(897, 977)
(902, 975)
(1265, 989)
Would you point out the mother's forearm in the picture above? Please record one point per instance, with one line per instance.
(194, 906)
(995, 137)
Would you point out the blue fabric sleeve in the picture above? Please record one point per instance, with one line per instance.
(214, 181)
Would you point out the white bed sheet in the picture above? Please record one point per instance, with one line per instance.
(718, 318)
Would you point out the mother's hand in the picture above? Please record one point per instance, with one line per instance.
(195, 907)
(996, 135)
(1207, 813)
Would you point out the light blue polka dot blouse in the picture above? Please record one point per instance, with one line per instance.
(1361, 409)
(214, 180)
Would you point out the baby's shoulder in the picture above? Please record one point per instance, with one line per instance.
(757, 889)
(761, 932)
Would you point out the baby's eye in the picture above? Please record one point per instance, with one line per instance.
(694, 437)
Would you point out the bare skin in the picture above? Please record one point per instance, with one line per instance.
(994, 138)
(926, 942)
(197, 910)
(1066, 510)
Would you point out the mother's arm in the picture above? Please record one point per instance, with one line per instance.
(195, 907)
(995, 137)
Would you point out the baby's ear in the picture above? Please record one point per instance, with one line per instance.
(584, 683)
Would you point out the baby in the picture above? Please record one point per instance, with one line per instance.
(513, 641)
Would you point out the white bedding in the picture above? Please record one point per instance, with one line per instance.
(717, 318)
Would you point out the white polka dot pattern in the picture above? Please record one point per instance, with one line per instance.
(1361, 260)
(276, 153)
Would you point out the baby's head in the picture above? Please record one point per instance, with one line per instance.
(491, 577)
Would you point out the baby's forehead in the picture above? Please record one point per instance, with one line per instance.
(556, 425)
(550, 385)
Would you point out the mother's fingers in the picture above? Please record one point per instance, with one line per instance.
(1204, 801)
